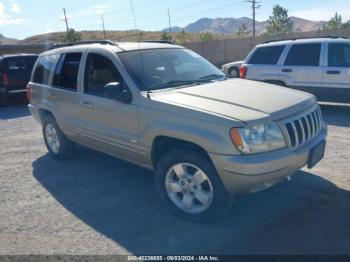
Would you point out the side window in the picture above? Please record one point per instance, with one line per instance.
(339, 55)
(66, 72)
(43, 69)
(304, 55)
(99, 71)
(266, 55)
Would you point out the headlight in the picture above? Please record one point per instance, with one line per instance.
(259, 138)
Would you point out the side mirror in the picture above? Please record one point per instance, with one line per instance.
(118, 92)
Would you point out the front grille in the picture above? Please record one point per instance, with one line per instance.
(304, 127)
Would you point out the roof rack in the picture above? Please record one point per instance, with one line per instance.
(158, 41)
(102, 42)
(301, 38)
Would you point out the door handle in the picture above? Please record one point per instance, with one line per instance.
(52, 96)
(333, 72)
(86, 104)
(287, 70)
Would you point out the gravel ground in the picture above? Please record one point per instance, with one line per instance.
(96, 204)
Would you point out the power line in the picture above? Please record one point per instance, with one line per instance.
(65, 18)
(169, 21)
(103, 27)
(254, 5)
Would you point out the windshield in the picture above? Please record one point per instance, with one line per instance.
(156, 69)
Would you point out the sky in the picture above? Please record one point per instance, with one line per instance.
(23, 18)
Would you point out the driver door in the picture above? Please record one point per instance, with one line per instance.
(109, 125)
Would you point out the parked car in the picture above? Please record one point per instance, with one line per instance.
(232, 69)
(206, 138)
(15, 70)
(316, 65)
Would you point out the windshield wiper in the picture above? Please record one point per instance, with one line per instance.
(212, 77)
(174, 84)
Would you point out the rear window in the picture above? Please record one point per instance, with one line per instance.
(43, 69)
(20, 63)
(66, 72)
(304, 55)
(266, 55)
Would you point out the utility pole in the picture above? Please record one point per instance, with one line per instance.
(103, 27)
(170, 30)
(254, 5)
(65, 19)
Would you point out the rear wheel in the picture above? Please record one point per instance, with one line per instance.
(190, 187)
(56, 142)
(233, 72)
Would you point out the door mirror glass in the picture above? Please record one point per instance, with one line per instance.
(118, 92)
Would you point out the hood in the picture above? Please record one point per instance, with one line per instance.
(239, 99)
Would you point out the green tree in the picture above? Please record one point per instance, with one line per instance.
(242, 31)
(346, 25)
(181, 36)
(165, 36)
(72, 36)
(279, 22)
(140, 36)
(206, 37)
(335, 22)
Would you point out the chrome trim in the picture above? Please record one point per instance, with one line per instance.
(313, 127)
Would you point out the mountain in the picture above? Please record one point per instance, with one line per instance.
(7, 41)
(231, 25)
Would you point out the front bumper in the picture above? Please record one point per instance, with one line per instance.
(251, 173)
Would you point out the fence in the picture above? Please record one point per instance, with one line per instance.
(223, 51)
(216, 51)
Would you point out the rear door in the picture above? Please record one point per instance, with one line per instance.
(63, 95)
(302, 68)
(263, 63)
(336, 73)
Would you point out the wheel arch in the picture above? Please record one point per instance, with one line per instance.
(163, 144)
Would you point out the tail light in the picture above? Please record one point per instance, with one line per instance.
(5, 79)
(29, 96)
(243, 72)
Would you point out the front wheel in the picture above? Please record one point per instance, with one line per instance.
(190, 187)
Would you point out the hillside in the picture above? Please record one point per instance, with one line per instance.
(120, 36)
(231, 25)
(7, 41)
(220, 27)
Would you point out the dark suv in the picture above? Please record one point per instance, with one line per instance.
(15, 72)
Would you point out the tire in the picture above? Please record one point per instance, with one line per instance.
(233, 72)
(220, 200)
(65, 148)
(4, 100)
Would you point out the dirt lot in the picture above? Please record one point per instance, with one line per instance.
(96, 204)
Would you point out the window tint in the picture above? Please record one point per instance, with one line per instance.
(339, 55)
(16, 64)
(304, 55)
(66, 72)
(266, 55)
(43, 68)
(99, 71)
